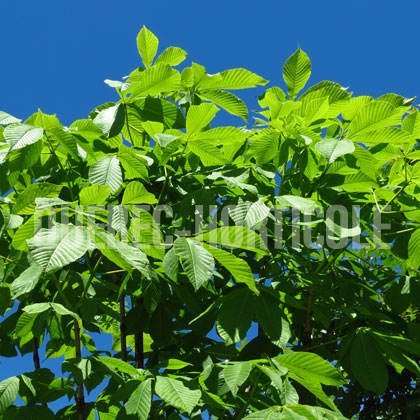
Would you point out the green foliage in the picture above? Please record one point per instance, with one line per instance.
(147, 223)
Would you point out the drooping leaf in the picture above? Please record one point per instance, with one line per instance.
(236, 374)
(140, 402)
(175, 393)
(27, 280)
(228, 101)
(240, 270)
(367, 364)
(9, 391)
(235, 316)
(272, 320)
(197, 262)
(312, 367)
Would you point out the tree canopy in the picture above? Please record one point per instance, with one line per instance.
(243, 272)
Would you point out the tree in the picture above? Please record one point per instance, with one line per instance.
(258, 273)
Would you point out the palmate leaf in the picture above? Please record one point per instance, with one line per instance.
(140, 402)
(147, 45)
(9, 391)
(155, 80)
(197, 262)
(172, 56)
(296, 72)
(175, 393)
(61, 245)
(231, 79)
(19, 136)
(199, 117)
(228, 101)
(332, 149)
(106, 171)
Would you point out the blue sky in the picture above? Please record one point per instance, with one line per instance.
(55, 55)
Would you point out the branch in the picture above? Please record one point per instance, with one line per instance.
(80, 396)
(138, 343)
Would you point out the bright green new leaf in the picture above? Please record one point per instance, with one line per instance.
(172, 56)
(228, 101)
(374, 115)
(332, 149)
(136, 193)
(296, 72)
(199, 117)
(9, 391)
(155, 80)
(94, 194)
(231, 79)
(19, 136)
(147, 45)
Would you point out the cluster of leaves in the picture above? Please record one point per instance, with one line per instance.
(337, 329)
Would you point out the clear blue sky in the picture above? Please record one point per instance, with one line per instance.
(55, 54)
